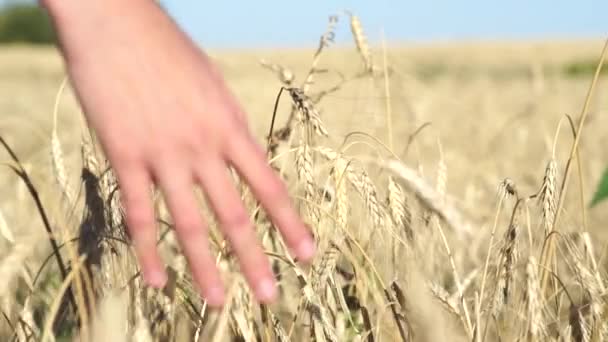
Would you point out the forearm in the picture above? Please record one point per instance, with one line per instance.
(68, 12)
(101, 24)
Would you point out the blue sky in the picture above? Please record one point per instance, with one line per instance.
(273, 23)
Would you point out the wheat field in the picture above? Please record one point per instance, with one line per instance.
(432, 176)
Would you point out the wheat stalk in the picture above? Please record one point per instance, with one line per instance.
(241, 312)
(507, 188)
(142, 330)
(361, 41)
(443, 296)
(284, 75)
(536, 322)
(566, 333)
(548, 255)
(367, 189)
(591, 254)
(593, 289)
(449, 304)
(57, 153)
(313, 304)
(508, 258)
(466, 283)
(304, 167)
(360, 181)
(341, 197)
(584, 326)
(326, 39)
(548, 194)
(88, 155)
(429, 197)
(325, 268)
(29, 329)
(308, 116)
(399, 209)
(279, 332)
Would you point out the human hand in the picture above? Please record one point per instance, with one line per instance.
(165, 117)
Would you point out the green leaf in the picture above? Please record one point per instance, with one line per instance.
(602, 190)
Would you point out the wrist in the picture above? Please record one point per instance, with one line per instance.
(85, 25)
(55, 8)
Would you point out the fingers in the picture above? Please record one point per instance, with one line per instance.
(135, 191)
(250, 161)
(177, 186)
(236, 224)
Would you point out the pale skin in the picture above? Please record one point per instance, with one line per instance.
(165, 118)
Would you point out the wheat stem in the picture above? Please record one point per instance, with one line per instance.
(548, 256)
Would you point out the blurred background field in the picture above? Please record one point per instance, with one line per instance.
(494, 106)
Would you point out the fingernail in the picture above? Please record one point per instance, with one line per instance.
(215, 296)
(306, 249)
(266, 291)
(156, 279)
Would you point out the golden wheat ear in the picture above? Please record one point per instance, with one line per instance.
(548, 195)
(534, 305)
(361, 43)
(57, 159)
